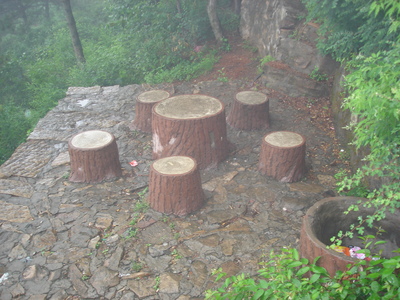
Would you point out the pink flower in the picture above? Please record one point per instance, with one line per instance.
(133, 163)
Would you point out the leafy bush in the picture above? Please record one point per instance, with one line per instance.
(287, 276)
(349, 26)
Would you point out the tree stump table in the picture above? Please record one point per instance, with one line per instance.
(175, 185)
(192, 125)
(94, 157)
(282, 156)
(249, 111)
(143, 109)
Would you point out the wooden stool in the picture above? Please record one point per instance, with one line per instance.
(175, 185)
(192, 125)
(144, 104)
(250, 110)
(282, 156)
(94, 157)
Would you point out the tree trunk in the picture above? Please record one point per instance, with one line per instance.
(192, 125)
(94, 157)
(143, 109)
(175, 186)
(47, 10)
(249, 111)
(76, 42)
(22, 13)
(282, 156)
(214, 21)
(236, 6)
(179, 6)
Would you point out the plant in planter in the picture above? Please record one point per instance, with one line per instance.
(287, 276)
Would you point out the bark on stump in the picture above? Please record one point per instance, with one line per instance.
(190, 125)
(250, 110)
(94, 157)
(282, 156)
(175, 185)
(143, 109)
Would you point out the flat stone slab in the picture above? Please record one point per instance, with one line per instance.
(28, 160)
(14, 213)
(16, 188)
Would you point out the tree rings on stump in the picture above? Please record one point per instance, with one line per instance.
(190, 125)
(175, 185)
(282, 156)
(94, 157)
(250, 110)
(143, 109)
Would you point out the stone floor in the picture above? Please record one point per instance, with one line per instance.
(64, 240)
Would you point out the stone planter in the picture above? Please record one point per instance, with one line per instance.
(326, 218)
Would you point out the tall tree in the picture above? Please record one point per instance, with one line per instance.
(214, 21)
(76, 42)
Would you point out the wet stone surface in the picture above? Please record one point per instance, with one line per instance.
(64, 240)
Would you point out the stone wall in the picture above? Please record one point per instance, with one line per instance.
(277, 29)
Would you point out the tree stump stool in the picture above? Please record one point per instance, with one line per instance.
(94, 157)
(282, 156)
(191, 125)
(175, 185)
(250, 110)
(143, 109)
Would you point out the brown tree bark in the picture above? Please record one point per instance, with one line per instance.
(192, 125)
(249, 111)
(175, 186)
(143, 109)
(76, 42)
(179, 6)
(282, 156)
(214, 21)
(94, 157)
(236, 6)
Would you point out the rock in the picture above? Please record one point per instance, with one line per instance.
(17, 290)
(18, 252)
(104, 222)
(14, 213)
(30, 273)
(103, 279)
(227, 246)
(143, 288)
(45, 240)
(169, 283)
(16, 188)
(305, 187)
(76, 276)
(113, 262)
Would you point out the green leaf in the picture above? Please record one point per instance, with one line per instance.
(302, 271)
(258, 294)
(294, 264)
(314, 278)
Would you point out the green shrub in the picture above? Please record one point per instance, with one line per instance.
(287, 276)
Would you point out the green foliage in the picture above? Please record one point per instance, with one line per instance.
(287, 276)
(374, 99)
(365, 34)
(317, 75)
(124, 42)
(263, 61)
(353, 26)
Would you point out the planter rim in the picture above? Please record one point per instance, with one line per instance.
(308, 218)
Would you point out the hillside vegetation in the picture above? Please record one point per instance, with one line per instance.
(124, 42)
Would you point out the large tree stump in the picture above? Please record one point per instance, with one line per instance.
(175, 185)
(143, 108)
(282, 156)
(192, 125)
(250, 110)
(94, 157)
